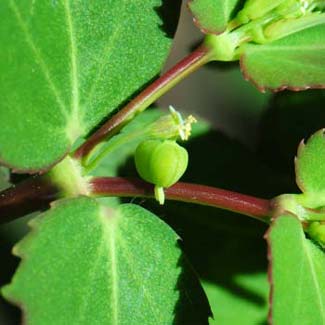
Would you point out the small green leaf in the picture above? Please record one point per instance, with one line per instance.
(212, 16)
(310, 167)
(297, 274)
(294, 62)
(85, 263)
(66, 65)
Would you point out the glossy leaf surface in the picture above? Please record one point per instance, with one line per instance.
(84, 263)
(66, 65)
(297, 274)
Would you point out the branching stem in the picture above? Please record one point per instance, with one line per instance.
(189, 64)
(32, 195)
(36, 193)
(186, 192)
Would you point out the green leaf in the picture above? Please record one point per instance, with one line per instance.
(294, 62)
(66, 65)
(246, 306)
(85, 263)
(297, 274)
(310, 167)
(212, 16)
(237, 288)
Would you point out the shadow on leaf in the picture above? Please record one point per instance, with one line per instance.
(192, 306)
(222, 246)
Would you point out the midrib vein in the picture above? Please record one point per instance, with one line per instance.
(74, 118)
(111, 235)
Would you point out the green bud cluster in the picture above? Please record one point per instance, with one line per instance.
(276, 19)
(263, 21)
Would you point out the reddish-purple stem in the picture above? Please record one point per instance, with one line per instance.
(186, 192)
(36, 193)
(186, 66)
(33, 194)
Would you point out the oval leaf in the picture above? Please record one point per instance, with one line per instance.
(212, 16)
(294, 62)
(85, 263)
(65, 66)
(296, 273)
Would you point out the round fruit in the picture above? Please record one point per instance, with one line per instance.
(161, 162)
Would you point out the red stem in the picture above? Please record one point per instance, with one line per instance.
(186, 66)
(31, 195)
(186, 192)
(36, 193)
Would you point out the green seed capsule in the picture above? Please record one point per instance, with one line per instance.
(161, 162)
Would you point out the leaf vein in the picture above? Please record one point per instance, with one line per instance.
(314, 279)
(38, 57)
(137, 280)
(105, 58)
(112, 249)
(75, 113)
(92, 272)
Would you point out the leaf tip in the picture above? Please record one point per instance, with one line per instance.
(199, 25)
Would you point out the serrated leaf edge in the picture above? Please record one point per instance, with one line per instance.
(20, 248)
(199, 25)
(263, 88)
